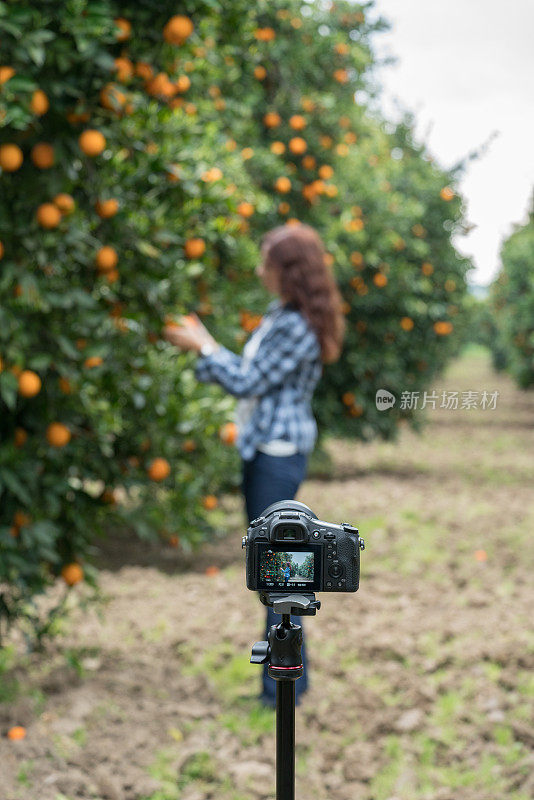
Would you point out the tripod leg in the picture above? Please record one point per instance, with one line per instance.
(285, 740)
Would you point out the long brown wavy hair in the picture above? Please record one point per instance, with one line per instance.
(306, 280)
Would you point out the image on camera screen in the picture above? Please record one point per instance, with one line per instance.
(293, 569)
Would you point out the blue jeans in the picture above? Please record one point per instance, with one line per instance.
(269, 479)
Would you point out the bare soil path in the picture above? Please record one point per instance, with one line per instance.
(422, 683)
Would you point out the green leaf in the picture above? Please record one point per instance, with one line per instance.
(12, 482)
(8, 389)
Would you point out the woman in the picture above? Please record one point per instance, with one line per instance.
(275, 377)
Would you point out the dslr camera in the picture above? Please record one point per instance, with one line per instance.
(289, 548)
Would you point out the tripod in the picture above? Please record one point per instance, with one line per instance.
(282, 653)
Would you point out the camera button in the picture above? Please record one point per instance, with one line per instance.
(329, 547)
(329, 584)
(340, 584)
(316, 534)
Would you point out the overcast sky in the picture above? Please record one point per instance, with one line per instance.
(466, 69)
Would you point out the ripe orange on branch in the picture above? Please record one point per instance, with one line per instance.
(107, 208)
(106, 258)
(178, 29)
(298, 145)
(39, 103)
(57, 434)
(124, 29)
(48, 215)
(272, 119)
(282, 184)
(92, 142)
(245, 209)
(159, 469)
(210, 502)
(72, 574)
(195, 248)
(65, 202)
(228, 433)
(11, 157)
(297, 122)
(6, 73)
(29, 383)
(42, 155)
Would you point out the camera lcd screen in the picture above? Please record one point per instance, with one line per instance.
(289, 567)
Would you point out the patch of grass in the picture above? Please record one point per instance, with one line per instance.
(251, 725)
(80, 736)
(199, 769)
(25, 770)
(156, 632)
(231, 672)
(383, 782)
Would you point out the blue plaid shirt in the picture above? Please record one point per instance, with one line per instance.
(282, 376)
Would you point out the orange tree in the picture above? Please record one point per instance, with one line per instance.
(143, 152)
(511, 305)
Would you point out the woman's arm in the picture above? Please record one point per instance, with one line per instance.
(280, 352)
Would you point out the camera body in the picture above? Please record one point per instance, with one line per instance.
(289, 548)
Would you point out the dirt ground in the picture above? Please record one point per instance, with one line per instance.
(421, 683)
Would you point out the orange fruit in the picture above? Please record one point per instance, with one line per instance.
(265, 34)
(29, 383)
(245, 209)
(348, 398)
(278, 148)
(260, 72)
(272, 119)
(5, 74)
(297, 122)
(112, 276)
(326, 172)
(39, 103)
(309, 162)
(406, 323)
(124, 67)
(211, 571)
(189, 445)
(106, 258)
(210, 502)
(326, 141)
(72, 574)
(228, 433)
(144, 70)
(57, 434)
(380, 279)
(91, 142)
(16, 733)
(284, 207)
(65, 202)
(341, 48)
(298, 145)
(195, 248)
(48, 215)
(159, 469)
(178, 29)
(174, 541)
(42, 155)
(107, 208)
(443, 328)
(124, 29)
(427, 268)
(282, 184)
(93, 361)
(183, 83)
(446, 193)
(10, 157)
(20, 437)
(341, 75)
(247, 152)
(161, 86)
